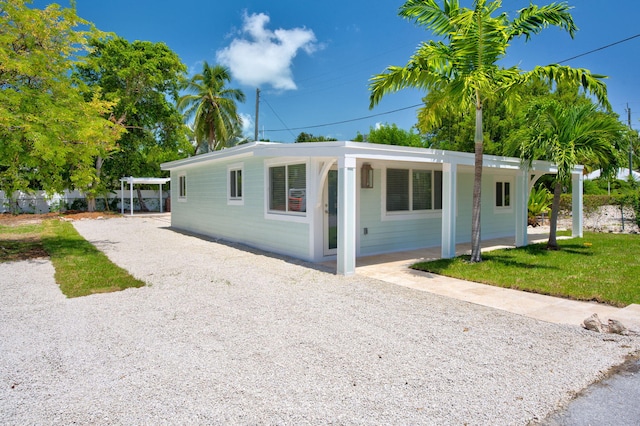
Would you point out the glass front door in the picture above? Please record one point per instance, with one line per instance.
(331, 213)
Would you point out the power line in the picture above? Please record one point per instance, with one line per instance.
(345, 121)
(417, 105)
(276, 114)
(598, 49)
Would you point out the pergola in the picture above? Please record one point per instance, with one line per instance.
(141, 181)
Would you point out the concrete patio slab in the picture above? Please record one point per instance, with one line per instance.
(394, 268)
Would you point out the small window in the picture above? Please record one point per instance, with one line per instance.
(503, 194)
(288, 188)
(235, 184)
(413, 190)
(182, 187)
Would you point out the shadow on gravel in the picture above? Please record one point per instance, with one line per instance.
(253, 250)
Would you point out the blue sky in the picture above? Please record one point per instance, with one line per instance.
(312, 59)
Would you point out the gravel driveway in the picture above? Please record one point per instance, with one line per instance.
(222, 335)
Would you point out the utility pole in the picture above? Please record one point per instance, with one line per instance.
(257, 111)
(630, 141)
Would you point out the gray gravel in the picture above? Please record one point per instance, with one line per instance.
(222, 335)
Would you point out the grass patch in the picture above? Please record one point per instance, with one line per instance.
(21, 243)
(599, 267)
(81, 269)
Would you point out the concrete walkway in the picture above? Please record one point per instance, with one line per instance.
(394, 268)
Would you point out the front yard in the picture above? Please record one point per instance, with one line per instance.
(600, 267)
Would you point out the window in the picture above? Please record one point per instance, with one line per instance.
(288, 188)
(234, 174)
(413, 190)
(182, 187)
(503, 194)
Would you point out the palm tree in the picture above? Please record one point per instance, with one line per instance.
(212, 106)
(567, 135)
(463, 68)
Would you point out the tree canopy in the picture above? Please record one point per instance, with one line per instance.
(308, 137)
(391, 134)
(142, 79)
(50, 132)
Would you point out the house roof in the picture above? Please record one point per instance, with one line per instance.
(145, 180)
(358, 150)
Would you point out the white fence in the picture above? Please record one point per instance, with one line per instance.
(39, 202)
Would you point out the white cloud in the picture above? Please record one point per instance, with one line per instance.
(247, 124)
(262, 56)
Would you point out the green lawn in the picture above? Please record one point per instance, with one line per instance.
(598, 267)
(81, 269)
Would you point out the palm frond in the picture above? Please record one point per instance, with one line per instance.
(533, 19)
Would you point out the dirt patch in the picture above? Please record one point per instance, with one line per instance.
(8, 219)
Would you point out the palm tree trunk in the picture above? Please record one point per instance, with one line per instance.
(552, 244)
(477, 189)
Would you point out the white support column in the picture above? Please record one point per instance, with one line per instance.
(576, 205)
(160, 197)
(449, 208)
(522, 209)
(121, 196)
(131, 194)
(346, 257)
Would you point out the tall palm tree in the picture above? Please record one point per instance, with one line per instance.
(212, 106)
(463, 67)
(567, 135)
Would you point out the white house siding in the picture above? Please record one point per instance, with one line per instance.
(385, 236)
(207, 212)
(495, 223)
(388, 235)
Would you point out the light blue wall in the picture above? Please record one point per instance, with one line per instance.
(385, 236)
(397, 235)
(207, 212)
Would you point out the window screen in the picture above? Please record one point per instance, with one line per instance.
(397, 190)
(287, 188)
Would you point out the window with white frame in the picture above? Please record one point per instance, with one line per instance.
(503, 194)
(182, 187)
(413, 190)
(288, 188)
(235, 188)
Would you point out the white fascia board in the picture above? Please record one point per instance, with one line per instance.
(235, 152)
(145, 180)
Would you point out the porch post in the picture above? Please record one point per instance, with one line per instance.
(346, 254)
(160, 198)
(131, 194)
(522, 207)
(576, 205)
(449, 207)
(122, 196)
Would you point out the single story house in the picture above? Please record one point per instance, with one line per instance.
(341, 200)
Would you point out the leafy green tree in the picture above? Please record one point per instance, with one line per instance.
(392, 135)
(308, 137)
(567, 135)
(143, 79)
(212, 106)
(49, 132)
(462, 69)
(539, 202)
(500, 120)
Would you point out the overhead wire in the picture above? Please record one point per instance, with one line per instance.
(417, 105)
